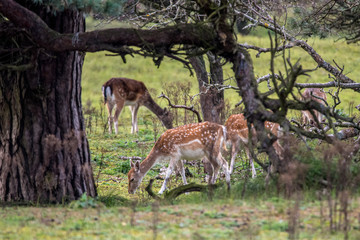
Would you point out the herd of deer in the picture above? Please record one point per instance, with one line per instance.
(192, 141)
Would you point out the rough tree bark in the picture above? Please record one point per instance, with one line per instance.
(44, 154)
(211, 100)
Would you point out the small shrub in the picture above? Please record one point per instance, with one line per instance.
(122, 167)
(84, 202)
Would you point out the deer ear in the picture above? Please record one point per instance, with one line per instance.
(135, 165)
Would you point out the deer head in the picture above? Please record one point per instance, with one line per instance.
(134, 176)
(167, 119)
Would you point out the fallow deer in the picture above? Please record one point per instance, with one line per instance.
(120, 92)
(238, 134)
(318, 95)
(190, 142)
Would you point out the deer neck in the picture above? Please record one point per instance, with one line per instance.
(157, 110)
(153, 106)
(149, 161)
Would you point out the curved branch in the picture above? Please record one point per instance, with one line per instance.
(174, 193)
(162, 95)
(112, 40)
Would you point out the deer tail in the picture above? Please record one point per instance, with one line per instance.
(107, 92)
(224, 138)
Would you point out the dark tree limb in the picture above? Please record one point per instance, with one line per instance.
(174, 193)
(151, 192)
(112, 40)
(191, 108)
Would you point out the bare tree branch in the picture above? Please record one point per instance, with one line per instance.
(263, 50)
(327, 85)
(191, 108)
(304, 45)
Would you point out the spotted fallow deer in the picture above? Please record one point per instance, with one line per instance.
(318, 95)
(120, 92)
(190, 142)
(238, 135)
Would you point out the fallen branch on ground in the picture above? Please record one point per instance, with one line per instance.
(174, 193)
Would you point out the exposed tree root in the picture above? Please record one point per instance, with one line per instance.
(174, 193)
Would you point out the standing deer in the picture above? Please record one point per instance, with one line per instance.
(238, 133)
(318, 95)
(190, 142)
(120, 92)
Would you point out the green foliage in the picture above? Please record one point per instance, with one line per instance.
(214, 215)
(328, 166)
(342, 113)
(122, 167)
(110, 198)
(84, 202)
(309, 27)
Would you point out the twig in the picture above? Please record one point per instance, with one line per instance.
(191, 108)
(130, 158)
(262, 50)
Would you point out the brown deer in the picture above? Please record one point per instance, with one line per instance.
(190, 142)
(313, 94)
(120, 92)
(238, 134)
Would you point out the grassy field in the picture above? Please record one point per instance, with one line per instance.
(252, 210)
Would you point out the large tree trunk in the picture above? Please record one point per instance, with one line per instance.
(44, 153)
(211, 100)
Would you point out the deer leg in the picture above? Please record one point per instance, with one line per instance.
(253, 171)
(305, 117)
(225, 167)
(181, 168)
(110, 107)
(208, 169)
(134, 110)
(278, 149)
(215, 166)
(172, 164)
(234, 151)
(119, 107)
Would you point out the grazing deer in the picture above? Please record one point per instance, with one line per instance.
(190, 142)
(318, 95)
(122, 92)
(238, 133)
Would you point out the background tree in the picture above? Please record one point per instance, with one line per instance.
(322, 18)
(44, 154)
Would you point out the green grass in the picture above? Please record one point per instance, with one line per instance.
(237, 219)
